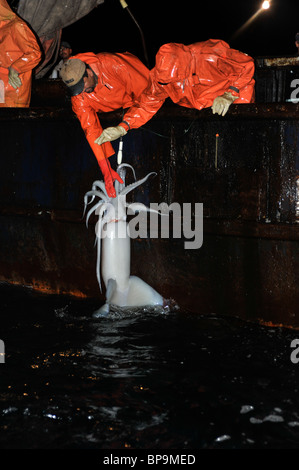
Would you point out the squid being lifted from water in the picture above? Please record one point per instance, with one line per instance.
(114, 247)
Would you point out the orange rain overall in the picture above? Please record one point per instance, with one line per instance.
(193, 76)
(19, 50)
(121, 79)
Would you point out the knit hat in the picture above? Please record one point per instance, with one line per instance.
(72, 73)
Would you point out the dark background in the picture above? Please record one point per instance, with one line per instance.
(110, 28)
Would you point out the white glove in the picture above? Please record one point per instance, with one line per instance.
(13, 78)
(110, 133)
(222, 103)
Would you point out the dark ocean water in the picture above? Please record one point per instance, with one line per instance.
(141, 379)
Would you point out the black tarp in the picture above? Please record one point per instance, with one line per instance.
(47, 18)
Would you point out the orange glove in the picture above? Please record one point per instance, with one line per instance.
(109, 177)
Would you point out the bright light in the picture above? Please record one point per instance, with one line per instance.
(266, 5)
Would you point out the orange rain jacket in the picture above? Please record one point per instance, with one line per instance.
(20, 50)
(193, 76)
(121, 79)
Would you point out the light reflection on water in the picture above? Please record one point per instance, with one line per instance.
(141, 379)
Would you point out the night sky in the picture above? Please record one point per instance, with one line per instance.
(110, 28)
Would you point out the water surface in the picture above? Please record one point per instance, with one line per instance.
(141, 379)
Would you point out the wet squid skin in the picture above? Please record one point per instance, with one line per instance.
(113, 246)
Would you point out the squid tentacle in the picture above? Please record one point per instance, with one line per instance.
(100, 184)
(121, 170)
(138, 206)
(94, 192)
(132, 186)
(93, 209)
(125, 165)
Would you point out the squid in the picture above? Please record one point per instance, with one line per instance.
(114, 246)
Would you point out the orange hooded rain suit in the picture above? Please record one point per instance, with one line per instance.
(18, 49)
(193, 76)
(121, 79)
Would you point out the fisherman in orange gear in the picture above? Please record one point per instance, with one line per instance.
(200, 75)
(19, 54)
(100, 83)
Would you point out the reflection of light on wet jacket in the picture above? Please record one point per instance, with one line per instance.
(193, 76)
(121, 79)
(20, 50)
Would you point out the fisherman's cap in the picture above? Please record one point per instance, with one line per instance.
(65, 44)
(72, 73)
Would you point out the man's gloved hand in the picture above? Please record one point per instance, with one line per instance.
(110, 133)
(109, 177)
(13, 78)
(222, 103)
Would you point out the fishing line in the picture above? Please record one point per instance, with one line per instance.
(168, 136)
